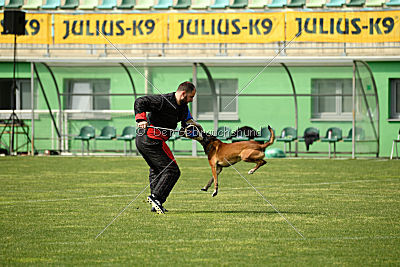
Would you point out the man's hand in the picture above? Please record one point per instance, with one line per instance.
(142, 124)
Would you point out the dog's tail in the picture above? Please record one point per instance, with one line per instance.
(271, 139)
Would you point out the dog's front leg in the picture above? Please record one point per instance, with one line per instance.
(215, 171)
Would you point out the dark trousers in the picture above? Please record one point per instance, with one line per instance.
(164, 171)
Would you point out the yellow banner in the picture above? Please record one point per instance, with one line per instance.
(226, 27)
(117, 28)
(37, 30)
(352, 27)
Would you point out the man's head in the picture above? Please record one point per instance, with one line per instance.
(185, 93)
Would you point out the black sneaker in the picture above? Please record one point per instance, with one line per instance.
(153, 209)
(156, 204)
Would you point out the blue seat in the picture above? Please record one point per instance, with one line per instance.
(108, 4)
(336, 3)
(164, 4)
(220, 4)
(277, 4)
(52, 4)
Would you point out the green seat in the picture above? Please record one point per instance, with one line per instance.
(70, 4)
(393, 3)
(374, 3)
(239, 4)
(356, 3)
(265, 135)
(183, 4)
(128, 134)
(297, 3)
(200, 4)
(311, 135)
(288, 135)
(52, 4)
(240, 137)
(258, 4)
(174, 137)
(86, 133)
(127, 4)
(277, 3)
(336, 3)
(32, 4)
(316, 3)
(359, 135)
(220, 4)
(107, 133)
(309, 130)
(108, 4)
(88, 4)
(2, 2)
(144, 4)
(224, 133)
(332, 135)
(163, 4)
(15, 4)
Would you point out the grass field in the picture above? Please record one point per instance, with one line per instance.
(52, 208)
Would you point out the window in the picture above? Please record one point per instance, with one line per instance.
(395, 98)
(22, 94)
(331, 107)
(205, 99)
(82, 94)
(87, 95)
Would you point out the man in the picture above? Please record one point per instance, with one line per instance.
(164, 111)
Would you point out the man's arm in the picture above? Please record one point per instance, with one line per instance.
(146, 104)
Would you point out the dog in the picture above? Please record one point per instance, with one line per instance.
(222, 155)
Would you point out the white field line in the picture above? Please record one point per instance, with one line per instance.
(191, 191)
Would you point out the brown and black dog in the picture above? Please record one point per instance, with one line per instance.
(224, 155)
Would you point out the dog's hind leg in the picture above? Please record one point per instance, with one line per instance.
(260, 163)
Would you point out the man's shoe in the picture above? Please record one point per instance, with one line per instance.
(156, 204)
(153, 209)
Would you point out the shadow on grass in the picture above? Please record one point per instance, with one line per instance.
(239, 212)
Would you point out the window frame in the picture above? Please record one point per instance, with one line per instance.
(394, 84)
(209, 115)
(339, 114)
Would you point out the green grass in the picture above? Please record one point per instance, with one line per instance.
(52, 208)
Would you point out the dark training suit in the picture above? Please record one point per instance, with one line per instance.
(151, 142)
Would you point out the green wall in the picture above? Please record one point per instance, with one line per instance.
(254, 111)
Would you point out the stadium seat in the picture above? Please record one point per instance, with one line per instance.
(264, 135)
(374, 3)
(220, 4)
(2, 2)
(52, 4)
(144, 4)
(200, 4)
(15, 4)
(240, 137)
(164, 4)
(70, 4)
(395, 142)
(310, 135)
(297, 3)
(86, 133)
(258, 4)
(107, 133)
(359, 135)
(239, 4)
(127, 4)
(277, 4)
(174, 137)
(32, 4)
(88, 4)
(333, 135)
(288, 135)
(108, 4)
(128, 134)
(336, 3)
(183, 4)
(393, 3)
(316, 3)
(224, 133)
(355, 3)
